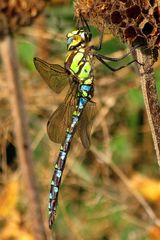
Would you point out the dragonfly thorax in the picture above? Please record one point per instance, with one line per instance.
(77, 38)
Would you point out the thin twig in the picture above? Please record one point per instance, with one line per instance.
(9, 58)
(148, 85)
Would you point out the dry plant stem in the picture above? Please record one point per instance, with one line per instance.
(8, 54)
(107, 159)
(149, 91)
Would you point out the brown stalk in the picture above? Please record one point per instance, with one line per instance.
(17, 104)
(148, 86)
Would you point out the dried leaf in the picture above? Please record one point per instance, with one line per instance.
(149, 188)
(154, 233)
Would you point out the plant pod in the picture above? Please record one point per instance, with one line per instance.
(134, 21)
(17, 13)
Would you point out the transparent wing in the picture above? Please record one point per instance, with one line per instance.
(85, 124)
(53, 74)
(61, 118)
(58, 122)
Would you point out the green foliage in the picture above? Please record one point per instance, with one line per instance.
(112, 46)
(129, 231)
(121, 148)
(26, 52)
(80, 170)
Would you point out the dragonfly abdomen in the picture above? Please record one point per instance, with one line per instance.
(64, 149)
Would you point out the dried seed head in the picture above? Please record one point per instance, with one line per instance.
(17, 13)
(134, 21)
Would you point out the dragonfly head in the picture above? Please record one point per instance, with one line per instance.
(77, 37)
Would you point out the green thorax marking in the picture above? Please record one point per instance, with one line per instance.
(79, 63)
(85, 71)
(75, 65)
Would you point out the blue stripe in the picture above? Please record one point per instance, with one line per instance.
(68, 137)
(82, 102)
(58, 173)
(55, 189)
(85, 88)
(74, 121)
(62, 155)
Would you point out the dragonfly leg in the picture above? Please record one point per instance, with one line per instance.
(115, 69)
(117, 59)
(97, 48)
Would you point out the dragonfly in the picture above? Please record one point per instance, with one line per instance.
(75, 115)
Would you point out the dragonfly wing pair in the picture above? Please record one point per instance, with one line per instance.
(53, 74)
(85, 124)
(59, 121)
(56, 78)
